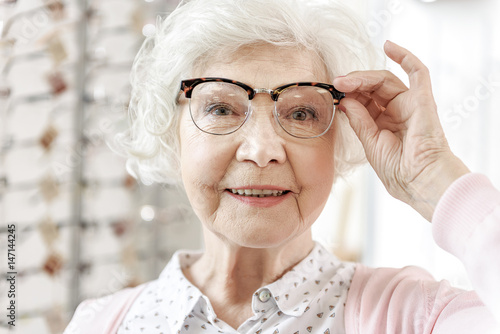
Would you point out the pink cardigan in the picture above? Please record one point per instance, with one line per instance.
(466, 223)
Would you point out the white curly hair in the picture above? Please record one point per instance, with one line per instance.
(198, 29)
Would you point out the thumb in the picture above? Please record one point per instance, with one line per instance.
(361, 122)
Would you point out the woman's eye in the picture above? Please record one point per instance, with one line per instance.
(219, 110)
(302, 114)
(299, 115)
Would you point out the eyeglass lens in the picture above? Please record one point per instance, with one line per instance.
(221, 108)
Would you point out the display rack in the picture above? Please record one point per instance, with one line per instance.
(84, 228)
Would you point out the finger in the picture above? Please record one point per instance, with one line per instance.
(416, 70)
(361, 121)
(383, 86)
(370, 104)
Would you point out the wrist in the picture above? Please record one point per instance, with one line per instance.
(426, 191)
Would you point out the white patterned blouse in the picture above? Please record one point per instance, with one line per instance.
(310, 298)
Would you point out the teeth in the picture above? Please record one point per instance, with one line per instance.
(257, 192)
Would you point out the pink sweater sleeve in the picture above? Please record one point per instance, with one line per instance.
(103, 315)
(466, 223)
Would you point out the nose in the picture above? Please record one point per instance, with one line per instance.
(260, 141)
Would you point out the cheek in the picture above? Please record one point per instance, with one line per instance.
(314, 169)
(316, 162)
(204, 160)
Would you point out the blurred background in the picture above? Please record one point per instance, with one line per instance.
(84, 228)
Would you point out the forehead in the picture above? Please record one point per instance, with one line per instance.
(265, 66)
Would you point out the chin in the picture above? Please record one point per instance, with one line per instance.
(262, 235)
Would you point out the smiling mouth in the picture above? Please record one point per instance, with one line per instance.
(258, 192)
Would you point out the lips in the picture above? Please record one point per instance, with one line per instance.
(258, 192)
(260, 196)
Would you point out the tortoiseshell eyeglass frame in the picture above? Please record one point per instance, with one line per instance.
(187, 87)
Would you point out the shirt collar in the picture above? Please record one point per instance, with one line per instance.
(293, 293)
(174, 287)
(319, 272)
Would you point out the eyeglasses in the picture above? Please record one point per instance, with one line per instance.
(221, 106)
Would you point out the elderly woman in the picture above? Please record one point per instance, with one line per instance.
(243, 101)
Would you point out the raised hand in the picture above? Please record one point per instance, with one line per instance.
(400, 130)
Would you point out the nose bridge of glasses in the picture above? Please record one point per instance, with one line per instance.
(260, 107)
(268, 91)
(261, 125)
(258, 101)
(261, 104)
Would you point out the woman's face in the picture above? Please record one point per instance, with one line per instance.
(260, 155)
